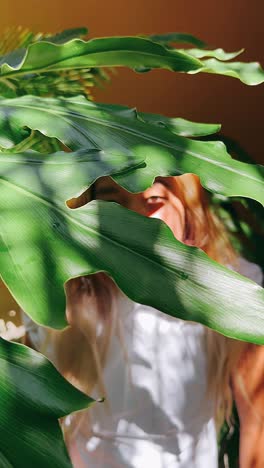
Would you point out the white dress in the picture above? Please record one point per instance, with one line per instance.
(159, 415)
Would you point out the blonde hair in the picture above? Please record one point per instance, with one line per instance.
(209, 234)
(81, 349)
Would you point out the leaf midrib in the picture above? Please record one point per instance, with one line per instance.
(17, 71)
(134, 133)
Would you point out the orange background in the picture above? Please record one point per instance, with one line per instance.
(230, 24)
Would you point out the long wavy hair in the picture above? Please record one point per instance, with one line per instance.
(81, 349)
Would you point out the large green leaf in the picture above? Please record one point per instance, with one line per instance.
(79, 123)
(141, 254)
(33, 397)
(134, 52)
(109, 51)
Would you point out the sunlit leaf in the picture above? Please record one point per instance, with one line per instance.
(110, 51)
(137, 53)
(101, 236)
(249, 73)
(79, 123)
(179, 126)
(218, 54)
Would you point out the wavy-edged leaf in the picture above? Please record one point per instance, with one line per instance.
(134, 52)
(79, 123)
(177, 37)
(249, 73)
(44, 179)
(101, 236)
(109, 51)
(179, 126)
(218, 54)
(33, 397)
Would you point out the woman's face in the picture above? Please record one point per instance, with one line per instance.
(159, 201)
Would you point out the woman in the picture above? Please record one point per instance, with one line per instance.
(166, 381)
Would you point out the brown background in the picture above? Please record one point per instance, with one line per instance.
(230, 24)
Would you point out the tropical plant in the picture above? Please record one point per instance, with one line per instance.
(243, 218)
(44, 242)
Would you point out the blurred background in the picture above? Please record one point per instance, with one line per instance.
(209, 98)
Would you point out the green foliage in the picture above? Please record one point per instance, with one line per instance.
(133, 52)
(67, 82)
(43, 243)
(33, 396)
(242, 217)
(70, 82)
(84, 241)
(79, 123)
(218, 54)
